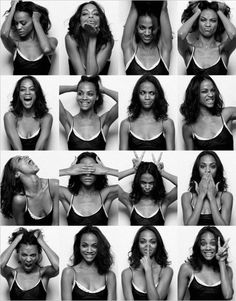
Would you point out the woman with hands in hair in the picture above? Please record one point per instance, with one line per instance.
(88, 198)
(149, 275)
(213, 40)
(206, 274)
(89, 41)
(24, 34)
(148, 201)
(207, 202)
(28, 280)
(87, 130)
(147, 38)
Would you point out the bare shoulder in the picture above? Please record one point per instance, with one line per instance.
(186, 196)
(47, 117)
(125, 123)
(168, 123)
(226, 196)
(126, 273)
(111, 276)
(19, 201)
(53, 41)
(167, 271)
(9, 116)
(68, 273)
(186, 128)
(186, 269)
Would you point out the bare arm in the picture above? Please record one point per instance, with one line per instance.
(112, 114)
(46, 126)
(183, 280)
(224, 217)
(124, 135)
(169, 130)
(10, 128)
(125, 199)
(111, 286)
(66, 283)
(65, 116)
(164, 283)
(171, 196)
(18, 209)
(126, 278)
(188, 138)
(54, 188)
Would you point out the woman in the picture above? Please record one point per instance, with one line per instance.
(30, 200)
(29, 280)
(89, 41)
(28, 123)
(89, 277)
(147, 39)
(87, 130)
(206, 274)
(207, 202)
(148, 201)
(88, 198)
(207, 122)
(148, 126)
(148, 276)
(207, 37)
(24, 35)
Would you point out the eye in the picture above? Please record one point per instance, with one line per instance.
(152, 93)
(142, 93)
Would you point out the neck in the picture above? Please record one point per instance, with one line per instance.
(146, 113)
(87, 114)
(205, 112)
(207, 42)
(146, 47)
(32, 183)
(87, 190)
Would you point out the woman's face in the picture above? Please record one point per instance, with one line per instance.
(208, 245)
(88, 179)
(207, 165)
(86, 96)
(28, 257)
(207, 94)
(23, 164)
(27, 94)
(147, 183)
(89, 247)
(90, 15)
(147, 243)
(147, 28)
(208, 22)
(23, 23)
(147, 95)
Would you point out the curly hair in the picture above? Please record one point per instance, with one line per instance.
(158, 192)
(160, 104)
(28, 238)
(75, 184)
(76, 31)
(10, 186)
(189, 12)
(219, 178)
(160, 256)
(29, 7)
(151, 9)
(196, 260)
(95, 81)
(190, 108)
(40, 105)
(103, 259)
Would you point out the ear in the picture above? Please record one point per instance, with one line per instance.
(17, 174)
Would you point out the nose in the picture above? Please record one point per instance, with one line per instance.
(18, 26)
(147, 32)
(147, 96)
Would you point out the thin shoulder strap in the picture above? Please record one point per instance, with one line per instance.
(132, 272)
(49, 188)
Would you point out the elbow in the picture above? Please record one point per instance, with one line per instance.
(47, 50)
(232, 35)
(181, 35)
(229, 295)
(4, 35)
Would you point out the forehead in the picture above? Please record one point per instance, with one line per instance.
(207, 236)
(27, 82)
(89, 238)
(21, 15)
(147, 177)
(90, 7)
(147, 20)
(87, 160)
(209, 13)
(87, 86)
(208, 159)
(147, 86)
(29, 249)
(206, 83)
(147, 234)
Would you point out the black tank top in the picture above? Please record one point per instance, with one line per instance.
(99, 218)
(76, 142)
(23, 66)
(201, 291)
(38, 292)
(29, 143)
(136, 219)
(135, 67)
(32, 220)
(218, 68)
(223, 140)
(156, 143)
(104, 71)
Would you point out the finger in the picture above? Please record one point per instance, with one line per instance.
(154, 159)
(159, 158)
(226, 243)
(142, 155)
(148, 248)
(135, 154)
(219, 246)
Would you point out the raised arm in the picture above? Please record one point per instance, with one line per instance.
(128, 33)
(169, 130)
(47, 45)
(67, 280)
(166, 34)
(184, 275)
(124, 135)
(46, 125)
(54, 189)
(6, 37)
(10, 128)
(126, 278)
(188, 138)
(111, 286)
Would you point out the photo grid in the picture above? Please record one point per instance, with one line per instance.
(117, 138)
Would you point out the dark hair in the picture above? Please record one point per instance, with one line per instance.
(94, 80)
(151, 9)
(76, 31)
(190, 108)
(10, 186)
(160, 256)
(158, 192)
(219, 178)
(75, 182)
(196, 260)
(103, 259)
(188, 13)
(160, 104)
(29, 7)
(28, 238)
(40, 105)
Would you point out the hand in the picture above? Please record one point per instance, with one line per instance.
(222, 252)
(14, 2)
(36, 16)
(212, 189)
(146, 261)
(81, 169)
(99, 168)
(203, 185)
(38, 234)
(137, 160)
(74, 162)
(159, 164)
(194, 6)
(222, 6)
(91, 30)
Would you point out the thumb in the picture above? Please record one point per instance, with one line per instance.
(196, 186)
(217, 186)
(74, 162)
